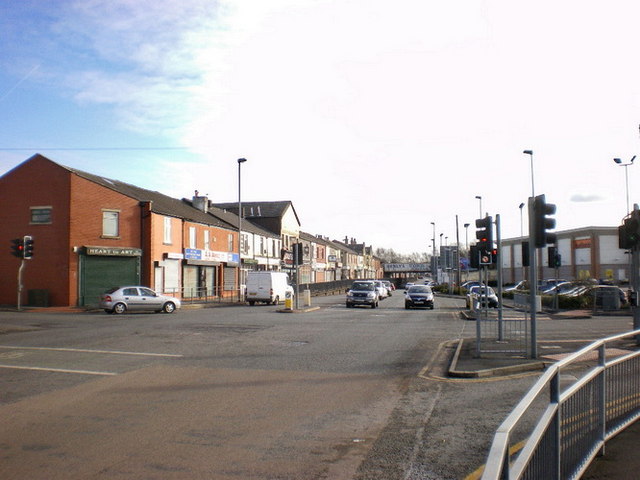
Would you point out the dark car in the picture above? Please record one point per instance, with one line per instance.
(605, 295)
(418, 296)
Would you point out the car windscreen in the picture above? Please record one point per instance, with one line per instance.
(419, 289)
(363, 286)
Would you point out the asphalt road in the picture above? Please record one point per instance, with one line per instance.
(245, 393)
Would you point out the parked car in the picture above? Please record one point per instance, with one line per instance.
(363, 292)
(521, 286)
(603, 294)
(135, 299)
(419, 296)
(477, 296)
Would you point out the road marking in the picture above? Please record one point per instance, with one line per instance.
(81, 350)
(59, 370)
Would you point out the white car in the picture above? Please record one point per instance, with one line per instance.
(382, 289)
(477, 296)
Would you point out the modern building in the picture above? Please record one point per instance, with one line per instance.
(589, 252)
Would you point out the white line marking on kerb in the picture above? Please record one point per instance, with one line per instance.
(81, 350)
(59, 370)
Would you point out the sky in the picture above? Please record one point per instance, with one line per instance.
(374, 118)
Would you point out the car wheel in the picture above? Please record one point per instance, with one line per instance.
(406, 307)
(119, 308)
(251, 302)
(169, 307)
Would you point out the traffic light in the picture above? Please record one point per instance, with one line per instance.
(28, 247)
(298, 254)
(474, 256)
(494, 256)
(554, 259)
(525, 254)
(542, 223)
(17, 247)
(629, 232)
(485, 234)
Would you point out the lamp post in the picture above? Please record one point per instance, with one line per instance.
(530, 153)
(240, 162)
(434, 266)
(466, 236)
(521, 206)
(478, 197)
(626, 176)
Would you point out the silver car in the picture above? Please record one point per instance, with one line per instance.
(136, 299)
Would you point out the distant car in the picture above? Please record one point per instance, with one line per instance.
(382, 289)
(390, 286)
(418, 296)
(408, 284)
(363, 292)
(477, 296)
(136, 299)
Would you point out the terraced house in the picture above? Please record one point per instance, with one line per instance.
(92, 233)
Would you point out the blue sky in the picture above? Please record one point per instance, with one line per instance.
(374, 118)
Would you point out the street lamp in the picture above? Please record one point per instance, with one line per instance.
(240, 162)
(478, 197)
(466, 236)
(626, 175)
(530, 153)
(521, 206)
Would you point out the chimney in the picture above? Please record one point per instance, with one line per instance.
(201, 203)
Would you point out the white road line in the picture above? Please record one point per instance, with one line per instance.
(81, 350)
(59, 370)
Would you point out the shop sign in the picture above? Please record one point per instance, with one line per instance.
(582, 243)
(114, 251)
(210, 255)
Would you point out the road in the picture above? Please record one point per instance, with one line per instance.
(244, 393)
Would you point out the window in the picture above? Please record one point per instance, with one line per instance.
(192, 237)
(206, 240)
(110, 223)
(230, 242)
(40, 215)
(167, 231)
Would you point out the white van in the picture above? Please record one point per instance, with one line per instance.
(268, 287)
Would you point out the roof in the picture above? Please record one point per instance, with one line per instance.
(260, 209)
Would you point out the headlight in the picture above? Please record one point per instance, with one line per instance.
(349, 294)
(371, 295)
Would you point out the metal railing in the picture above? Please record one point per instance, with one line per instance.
(561, 436)
(206, 295)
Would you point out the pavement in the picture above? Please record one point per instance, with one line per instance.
(620, 461)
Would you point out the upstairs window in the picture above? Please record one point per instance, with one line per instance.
(40, 215)
(167, 231)
(110, 223)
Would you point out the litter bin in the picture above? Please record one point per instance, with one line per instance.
(38, 298)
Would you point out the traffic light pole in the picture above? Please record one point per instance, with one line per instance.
(533, 280)
(20, 285)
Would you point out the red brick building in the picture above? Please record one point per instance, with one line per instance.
(91, 233)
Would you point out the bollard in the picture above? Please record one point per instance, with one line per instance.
(288, 301)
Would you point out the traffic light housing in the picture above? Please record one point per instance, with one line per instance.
(474, 256)
(27, 247)
(542, 222)
(485, 234)
(554, 259)
(629, 232)
(17, 247)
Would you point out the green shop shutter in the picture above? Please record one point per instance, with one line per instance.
(99, 273)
